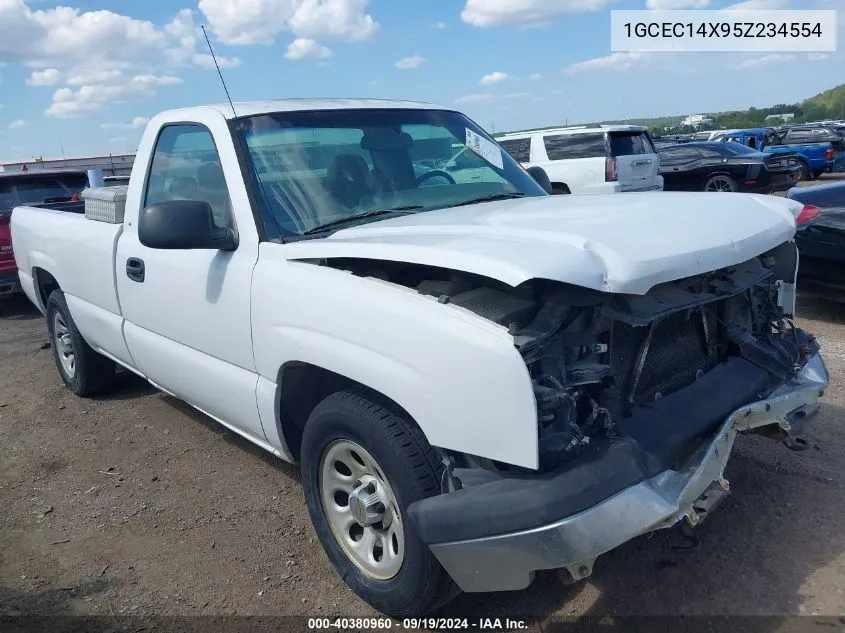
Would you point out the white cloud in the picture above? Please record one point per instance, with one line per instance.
(17, 124)
(205, 60)
(535, 76)
(63, 36)
(816, 57)
(304, 47)
(440, 25)
(759, 5)
(108, 56)
(614, 61)
(409, 63)
(47, 77)
(117, 139)
(243, 22)
(676, 4)
(90, 98)
(765, 60)
(137, 122)
(479, 97)
(93, 76)
(484, 13)
(493, 78)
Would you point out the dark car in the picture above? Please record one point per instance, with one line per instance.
(30, 187)
(821, 240)
(713, 166)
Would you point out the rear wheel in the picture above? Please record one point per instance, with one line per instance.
(720, 182)
(805, 171)
(84, 371)
(362, 465)
(817, 173)
(560, 190)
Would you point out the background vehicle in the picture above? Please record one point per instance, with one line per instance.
(28, 187)
(589, 159)
(725, 167)
(472, 375)
(815, 158)
(821, 240)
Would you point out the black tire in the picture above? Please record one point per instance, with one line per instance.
(560, 190)
(805, 171)
(817, 173)
(720, 182)
(92, 372)
(413, 471)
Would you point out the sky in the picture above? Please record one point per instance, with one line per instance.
(84, 77)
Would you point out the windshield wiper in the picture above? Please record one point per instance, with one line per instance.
(359, 216)
(491, 197)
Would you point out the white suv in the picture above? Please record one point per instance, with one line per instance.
(589, 159)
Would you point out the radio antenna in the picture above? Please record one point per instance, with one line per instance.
(217, 66)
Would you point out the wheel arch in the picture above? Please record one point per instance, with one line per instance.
(301, 385)
(45, 283)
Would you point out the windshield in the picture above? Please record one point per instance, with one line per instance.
(31, 188)
(321, 168)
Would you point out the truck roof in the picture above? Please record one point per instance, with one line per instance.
(252, 108)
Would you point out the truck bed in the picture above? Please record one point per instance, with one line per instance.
(77, 251)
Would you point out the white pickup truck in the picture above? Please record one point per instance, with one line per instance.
(479, 380)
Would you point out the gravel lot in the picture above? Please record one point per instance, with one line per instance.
(135, 504)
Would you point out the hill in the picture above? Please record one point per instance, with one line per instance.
(829, 104)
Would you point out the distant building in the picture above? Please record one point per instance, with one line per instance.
(694, 120)
(111, 165)
(786, 116)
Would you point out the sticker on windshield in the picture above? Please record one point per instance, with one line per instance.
(488, 150)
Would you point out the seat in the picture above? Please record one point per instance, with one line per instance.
(348, 179)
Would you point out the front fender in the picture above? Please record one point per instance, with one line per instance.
(460, 377)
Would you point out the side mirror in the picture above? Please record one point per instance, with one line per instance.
(183, 224)
(539, 174)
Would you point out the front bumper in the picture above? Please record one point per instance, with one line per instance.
(508, 561)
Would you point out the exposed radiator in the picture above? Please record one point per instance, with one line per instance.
(653, 361)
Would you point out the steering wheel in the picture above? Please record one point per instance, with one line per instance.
(433, 174)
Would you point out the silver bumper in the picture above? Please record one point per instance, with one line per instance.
(508, 561)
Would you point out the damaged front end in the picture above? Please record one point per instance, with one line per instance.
(602, 364)
(639, 399)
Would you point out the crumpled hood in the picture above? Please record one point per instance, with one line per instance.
(620, 243)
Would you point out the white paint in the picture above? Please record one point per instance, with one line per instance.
(215, 328)
(624, 244)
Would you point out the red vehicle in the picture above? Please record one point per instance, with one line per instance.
(30, 187)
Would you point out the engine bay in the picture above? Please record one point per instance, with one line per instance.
(599, 360)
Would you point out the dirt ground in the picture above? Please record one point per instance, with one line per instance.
(135, 504)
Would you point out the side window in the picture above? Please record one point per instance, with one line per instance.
(186, 166)
(518, 148)
(567, 146)
(799, 136)
(678, 155)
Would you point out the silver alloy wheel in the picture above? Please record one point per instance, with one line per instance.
(719, 183)
(361, 509)
(64, 345)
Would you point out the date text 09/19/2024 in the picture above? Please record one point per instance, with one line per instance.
(467, 624)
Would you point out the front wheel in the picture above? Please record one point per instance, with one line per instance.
(362, 466)
(82, 370)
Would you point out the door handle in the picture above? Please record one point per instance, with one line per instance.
(135, 269)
